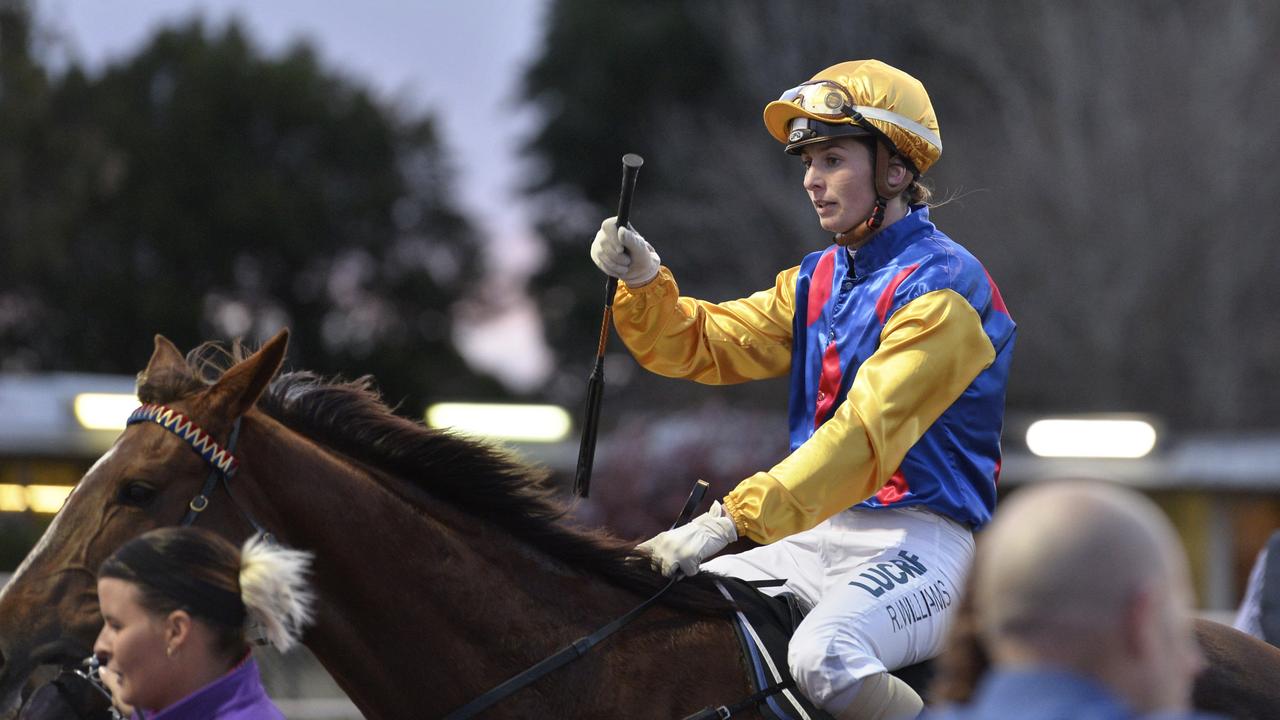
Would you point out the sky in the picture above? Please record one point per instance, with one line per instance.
(460, 61)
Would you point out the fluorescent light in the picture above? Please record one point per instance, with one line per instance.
(104, 411)
(47, 498)
(13, 498)
(1091, 438)
(523, 423)
(37, 498)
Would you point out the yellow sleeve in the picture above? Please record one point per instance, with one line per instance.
(930, 351)
(715, 344)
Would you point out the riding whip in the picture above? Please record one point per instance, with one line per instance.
(595, 384)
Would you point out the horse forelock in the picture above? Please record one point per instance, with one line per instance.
(205, 364)
(166, 385)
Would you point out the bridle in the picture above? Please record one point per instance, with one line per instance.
(88, 673)
(92, 674)
(223, 464)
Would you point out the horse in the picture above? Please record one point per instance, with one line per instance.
(443, 565)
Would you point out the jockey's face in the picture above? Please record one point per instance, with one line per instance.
(838, 180)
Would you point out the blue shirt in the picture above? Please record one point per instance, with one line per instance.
(1046, 695)
(842, 307)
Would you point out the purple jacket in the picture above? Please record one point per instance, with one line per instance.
(238, 695)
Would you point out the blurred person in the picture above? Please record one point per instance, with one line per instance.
(897, 345)
(1082, 602)
(176, 603)
(1259, 611)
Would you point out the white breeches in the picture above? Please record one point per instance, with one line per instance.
(882, 584)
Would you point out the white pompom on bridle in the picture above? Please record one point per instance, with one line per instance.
(274, 587)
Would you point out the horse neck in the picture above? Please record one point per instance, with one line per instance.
(413, 590)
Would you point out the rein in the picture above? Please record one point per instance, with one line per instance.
(565, 656)
(223, 464)
(580, 646)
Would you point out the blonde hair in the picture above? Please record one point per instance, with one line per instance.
(273, 586)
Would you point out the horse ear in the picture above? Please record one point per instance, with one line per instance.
(242, 385)
(165, 356)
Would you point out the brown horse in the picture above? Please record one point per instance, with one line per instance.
(442, 566)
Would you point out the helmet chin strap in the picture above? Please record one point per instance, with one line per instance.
(885, 191)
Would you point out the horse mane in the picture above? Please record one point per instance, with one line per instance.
(480, 478)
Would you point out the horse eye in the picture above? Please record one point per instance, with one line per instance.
(137, 494)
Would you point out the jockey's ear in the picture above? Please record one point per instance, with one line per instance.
(239, 389)
(166, 356)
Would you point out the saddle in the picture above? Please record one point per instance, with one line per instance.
(764, 625)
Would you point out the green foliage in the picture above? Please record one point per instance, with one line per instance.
(202, 189)
(1109, 162)
(608, 62)
(609, 69)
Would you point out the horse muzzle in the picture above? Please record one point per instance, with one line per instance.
(18, 666)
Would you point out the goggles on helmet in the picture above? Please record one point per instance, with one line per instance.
(821, 97)
(826, 99)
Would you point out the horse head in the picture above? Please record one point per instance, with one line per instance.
(49, 609)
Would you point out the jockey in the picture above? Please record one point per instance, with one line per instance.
(897, 344)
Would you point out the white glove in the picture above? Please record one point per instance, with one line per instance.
(684, 548)
(624, 254)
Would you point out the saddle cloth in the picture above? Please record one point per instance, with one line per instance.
(764, 625)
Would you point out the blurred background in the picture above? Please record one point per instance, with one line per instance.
(412, 191)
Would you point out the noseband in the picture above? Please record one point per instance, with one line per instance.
(91, 674)
(223, 464)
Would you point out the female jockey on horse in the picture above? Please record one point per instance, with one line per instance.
(897, 344)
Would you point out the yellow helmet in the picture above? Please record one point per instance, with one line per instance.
(859, 97)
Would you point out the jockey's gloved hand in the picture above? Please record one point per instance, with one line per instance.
(624, 254)
(684, 548)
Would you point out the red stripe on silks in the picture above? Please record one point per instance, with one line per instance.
(895, 489)
(997, 300)
(820, 285)
(886, 298)
(828, 384)
(997, 475)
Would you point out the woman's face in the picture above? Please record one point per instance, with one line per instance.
(132, 645)
(838, 179)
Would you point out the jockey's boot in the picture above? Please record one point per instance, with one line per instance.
(883, 697)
